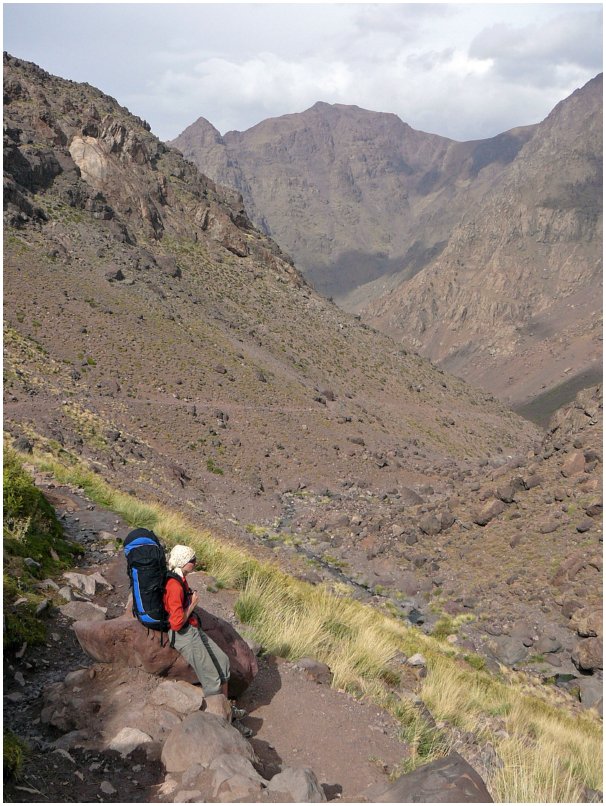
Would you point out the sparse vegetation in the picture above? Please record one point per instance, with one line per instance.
(212, 467)
(30, 531)
(548, 755)
(14, 751)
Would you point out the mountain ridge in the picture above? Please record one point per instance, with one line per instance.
(363, 215)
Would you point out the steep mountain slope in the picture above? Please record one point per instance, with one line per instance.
(353, 195)
(513, 303)
(484, 255)
(151, 328)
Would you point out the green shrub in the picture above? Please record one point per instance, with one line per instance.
(213, 468)
(30, 530)
(14, 751)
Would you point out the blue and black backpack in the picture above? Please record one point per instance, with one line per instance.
(147, 572)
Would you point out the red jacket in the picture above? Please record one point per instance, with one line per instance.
(177, 598)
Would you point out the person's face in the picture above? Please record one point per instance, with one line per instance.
(189, 567)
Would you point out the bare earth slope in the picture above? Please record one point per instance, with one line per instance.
(152, 329)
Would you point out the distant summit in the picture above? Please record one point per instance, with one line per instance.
(374, 212)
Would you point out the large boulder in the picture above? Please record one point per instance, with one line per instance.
(588, 654)
(124, 640)
(588, 622)
(447, 780)
(242, 660)
(508, 649)
(199, 739)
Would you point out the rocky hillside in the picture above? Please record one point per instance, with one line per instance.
(513, 301)
(353, 195)
(152, 332)
(476, 253)
(152, 329)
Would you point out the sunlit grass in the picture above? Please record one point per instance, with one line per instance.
(547, 754)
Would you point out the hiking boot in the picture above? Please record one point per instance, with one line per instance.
(246, 732)
(238, 713)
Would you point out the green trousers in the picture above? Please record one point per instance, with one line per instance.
(209, 662)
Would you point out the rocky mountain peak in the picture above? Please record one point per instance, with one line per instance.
(447, 246)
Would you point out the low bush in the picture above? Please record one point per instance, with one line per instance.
(31, 531)
(14, 751)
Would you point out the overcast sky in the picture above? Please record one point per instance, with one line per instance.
(463, 71)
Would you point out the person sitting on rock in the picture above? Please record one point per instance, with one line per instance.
(209, 662)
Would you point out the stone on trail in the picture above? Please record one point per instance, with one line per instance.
(315, 670)
(124, 640)
(199, 739)
(447, 780)
(300, 783)
(84, 613)
(127, 740)
(82, 582)
(107, 788)
(182, 697)
(234, 779)
(219, 705)
(188, 796)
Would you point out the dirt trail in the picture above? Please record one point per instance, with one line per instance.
(296, 721)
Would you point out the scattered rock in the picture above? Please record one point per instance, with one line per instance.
(508, 650)
(127, 740)
(573, 465)
(300, 783)
(84, 613)
(430, 525)
(588, 622)
(23, 444)
(447, 780)
(588, 654)
(489, 511)
(591, 691)
(182, 697)
(199, 739)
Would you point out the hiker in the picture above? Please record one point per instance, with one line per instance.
(209, 662)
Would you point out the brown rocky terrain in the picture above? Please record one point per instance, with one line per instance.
(154, 333)
(486, 255)
(151, 329)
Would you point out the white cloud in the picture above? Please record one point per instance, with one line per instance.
(537, 51)
(463, 70)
